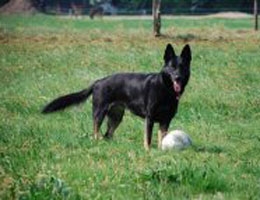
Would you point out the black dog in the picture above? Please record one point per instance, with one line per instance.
(153, 96)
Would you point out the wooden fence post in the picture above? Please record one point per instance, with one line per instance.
(256, 14)
(156, 18)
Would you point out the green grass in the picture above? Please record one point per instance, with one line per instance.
(55, 156)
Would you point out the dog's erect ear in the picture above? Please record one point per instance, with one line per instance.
(169, 53)
(186, 53)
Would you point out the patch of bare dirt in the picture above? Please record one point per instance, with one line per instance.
(224, 15)
(17, 6)
(230, 15)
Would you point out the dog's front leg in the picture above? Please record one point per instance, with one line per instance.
(148, 132)
(161, 133)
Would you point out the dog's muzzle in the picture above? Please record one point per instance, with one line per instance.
(177, 89)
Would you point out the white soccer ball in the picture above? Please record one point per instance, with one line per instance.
(176, 139)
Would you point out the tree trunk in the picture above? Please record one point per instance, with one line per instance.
(17, 6)
(256, 14)
(156, 18)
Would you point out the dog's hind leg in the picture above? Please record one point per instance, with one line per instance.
(98, 116)
(115, 115)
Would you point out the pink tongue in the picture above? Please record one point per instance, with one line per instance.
(177, 89)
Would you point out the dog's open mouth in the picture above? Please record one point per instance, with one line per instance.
(177, 89)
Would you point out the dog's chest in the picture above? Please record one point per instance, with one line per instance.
(163, 106)
(165, 110)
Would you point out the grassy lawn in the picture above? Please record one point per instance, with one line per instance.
(55, 157)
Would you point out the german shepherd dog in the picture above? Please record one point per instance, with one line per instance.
(152, 96)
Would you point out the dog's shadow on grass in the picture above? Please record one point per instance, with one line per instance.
(209, 149)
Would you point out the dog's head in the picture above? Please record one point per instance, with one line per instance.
(176, 70)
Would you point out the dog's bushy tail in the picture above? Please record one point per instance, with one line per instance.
(68, 100)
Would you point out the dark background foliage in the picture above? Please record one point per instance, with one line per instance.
(145, 6)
